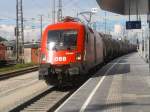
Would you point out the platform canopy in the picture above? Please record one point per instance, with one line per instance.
(125, 6)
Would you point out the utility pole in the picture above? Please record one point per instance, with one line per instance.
(149, 31)
(149, 46)
(137, 11)
(53, 12)
(59, 13)
(19, 32)
(129, 9)
(105, 22)
(16, 33)
(41, 21)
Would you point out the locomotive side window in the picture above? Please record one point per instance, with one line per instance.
(63, 39)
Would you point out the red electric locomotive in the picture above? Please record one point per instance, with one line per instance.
(68, 49)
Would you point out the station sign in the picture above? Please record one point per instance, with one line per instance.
(133, 25)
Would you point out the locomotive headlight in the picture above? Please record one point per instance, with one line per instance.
(78, 57)
(51, 45)
(43, 57)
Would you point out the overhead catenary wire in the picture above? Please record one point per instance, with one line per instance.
(71, 6)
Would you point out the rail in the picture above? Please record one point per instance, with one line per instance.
(23, 71)
(49, 100)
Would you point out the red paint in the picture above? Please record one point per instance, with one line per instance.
(2, 52)
(35, 55)
(67, 55)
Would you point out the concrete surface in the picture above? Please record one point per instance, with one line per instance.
(19, 89)
(121, 86)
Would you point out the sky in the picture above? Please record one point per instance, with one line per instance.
(32, 10)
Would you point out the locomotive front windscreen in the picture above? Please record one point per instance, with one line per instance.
(62, 39)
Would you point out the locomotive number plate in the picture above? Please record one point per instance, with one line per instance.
(60, 58)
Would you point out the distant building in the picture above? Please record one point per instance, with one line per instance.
(31, 53)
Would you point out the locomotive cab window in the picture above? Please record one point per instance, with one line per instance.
(63, 39)
(70, 38)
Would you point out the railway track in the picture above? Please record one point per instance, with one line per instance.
(18, 72)
(46, 101)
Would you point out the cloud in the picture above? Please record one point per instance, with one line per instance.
(4, 27)
(7, 31)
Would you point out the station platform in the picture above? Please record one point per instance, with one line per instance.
(123, 85)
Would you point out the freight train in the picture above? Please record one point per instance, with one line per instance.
(70, 49)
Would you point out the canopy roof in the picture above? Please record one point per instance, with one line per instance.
(123, 6)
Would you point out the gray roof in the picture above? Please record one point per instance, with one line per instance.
(31, 45)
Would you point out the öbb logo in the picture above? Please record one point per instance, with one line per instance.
(60, 59)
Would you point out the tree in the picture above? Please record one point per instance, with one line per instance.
(2, 39)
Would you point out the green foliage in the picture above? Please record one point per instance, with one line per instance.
(16, 67)
(2, 39)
